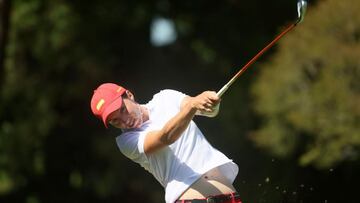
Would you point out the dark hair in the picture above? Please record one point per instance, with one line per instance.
(125, 95)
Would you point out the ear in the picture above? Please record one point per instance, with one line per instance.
(130, 95)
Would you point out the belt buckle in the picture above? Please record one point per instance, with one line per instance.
(210, 200)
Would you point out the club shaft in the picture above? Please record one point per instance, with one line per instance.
(243, 69)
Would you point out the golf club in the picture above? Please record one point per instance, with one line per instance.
(301, 9)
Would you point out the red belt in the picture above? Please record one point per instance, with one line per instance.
(224, 198)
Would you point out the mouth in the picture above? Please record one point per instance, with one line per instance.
(136, 123)
(130, 124)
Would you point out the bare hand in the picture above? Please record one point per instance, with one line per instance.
(206, 101)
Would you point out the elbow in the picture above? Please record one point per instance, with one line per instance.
(157, 140)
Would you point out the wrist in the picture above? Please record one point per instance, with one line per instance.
(190, 105)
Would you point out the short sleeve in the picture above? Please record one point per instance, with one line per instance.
(131, 144)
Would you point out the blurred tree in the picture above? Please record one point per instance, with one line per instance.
(309, 94)
(5, 7)
(47, 152)
(39, 31)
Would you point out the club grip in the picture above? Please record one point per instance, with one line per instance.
(211, 114)
(222, 91)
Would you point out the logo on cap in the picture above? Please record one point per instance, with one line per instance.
(100, 104)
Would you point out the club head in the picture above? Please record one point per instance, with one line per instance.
(301, 8)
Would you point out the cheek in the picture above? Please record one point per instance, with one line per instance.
(134, 112)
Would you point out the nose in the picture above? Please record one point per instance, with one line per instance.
(124, 119)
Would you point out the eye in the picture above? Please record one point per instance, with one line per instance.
(114, 121)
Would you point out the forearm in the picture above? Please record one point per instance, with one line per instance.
(173, 129)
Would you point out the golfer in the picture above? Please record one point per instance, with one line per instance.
(161, 136)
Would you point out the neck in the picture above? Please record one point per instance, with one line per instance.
(145, 113)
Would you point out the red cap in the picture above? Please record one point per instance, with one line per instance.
(106, 99)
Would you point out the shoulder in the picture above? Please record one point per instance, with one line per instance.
(167, 96)
(169, 92)
(131, 144)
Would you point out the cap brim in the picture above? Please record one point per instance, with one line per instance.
(116, 104)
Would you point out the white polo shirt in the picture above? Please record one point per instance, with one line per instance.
(180, 164)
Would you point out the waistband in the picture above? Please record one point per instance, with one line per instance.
(213, 199)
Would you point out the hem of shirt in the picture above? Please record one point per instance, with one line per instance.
(195, 179)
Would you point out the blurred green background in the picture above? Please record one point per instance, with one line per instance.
(291, 122)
